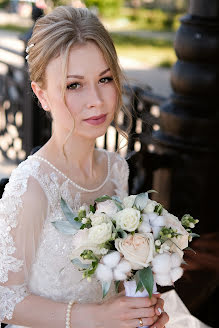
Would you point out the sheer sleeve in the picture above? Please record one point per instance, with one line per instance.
(23, 209)
(121, 174)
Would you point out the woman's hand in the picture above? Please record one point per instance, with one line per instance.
(121, 311)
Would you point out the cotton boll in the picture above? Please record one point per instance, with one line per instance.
(144, 227)
(118, 275)
(104, 273)
(112, 259)
(156, 231)
(163, 279)
(176, 273)
(161, 263)
(152, 218)
(175, 260)
(159, 221)
(124, 266)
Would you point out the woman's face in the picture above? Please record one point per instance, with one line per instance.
(91, 95)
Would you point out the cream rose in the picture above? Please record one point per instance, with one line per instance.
(177, 244)
(109, 207)
(99, 234)
(138, 249)
(99, 218)
(128, 219)
(129, 201)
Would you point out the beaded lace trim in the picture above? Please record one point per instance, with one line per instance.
(72, 182)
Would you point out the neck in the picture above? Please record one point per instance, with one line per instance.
(78, 153)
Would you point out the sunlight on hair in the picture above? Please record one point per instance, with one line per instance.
(122, 146)
(155, 111)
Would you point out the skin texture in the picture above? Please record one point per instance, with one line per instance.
(90, 94)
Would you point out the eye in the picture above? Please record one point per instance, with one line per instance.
(106, 79)
(73, 86)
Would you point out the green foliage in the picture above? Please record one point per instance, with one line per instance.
(107, 8)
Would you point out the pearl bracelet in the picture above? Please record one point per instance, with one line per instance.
(68, 315)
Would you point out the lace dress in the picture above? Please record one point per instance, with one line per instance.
(33, 254)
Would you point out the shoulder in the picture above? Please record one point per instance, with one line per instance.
(118, 162)
(21, 178)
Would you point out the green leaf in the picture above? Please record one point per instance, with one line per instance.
(117, 285)
(150, 191)
(189, 249)
(65, 227)
(139, 287)
(141, 201)
(122, 233)
(78, 263)
(194, 235)
(147, 279)
(92, 209)
(105, 287)
(70, 215)
(102, 199)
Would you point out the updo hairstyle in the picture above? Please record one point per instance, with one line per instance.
(58, 31)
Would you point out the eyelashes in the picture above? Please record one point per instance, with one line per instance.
(77, 85)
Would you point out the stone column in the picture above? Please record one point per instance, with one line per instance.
(189, 132)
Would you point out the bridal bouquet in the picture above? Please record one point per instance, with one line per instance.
(134, 240)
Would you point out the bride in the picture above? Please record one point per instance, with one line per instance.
(76, 78)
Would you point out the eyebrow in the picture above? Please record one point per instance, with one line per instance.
(82, 77)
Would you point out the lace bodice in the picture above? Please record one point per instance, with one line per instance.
(34, 256)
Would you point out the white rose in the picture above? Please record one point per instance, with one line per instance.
(150, 206)
(109, 207)
(129, 201)
(128, 219)
(99, 218)
(138, 249)
(80, 242)
(99, 234)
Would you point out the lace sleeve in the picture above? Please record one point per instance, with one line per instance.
(120, 171)
(23, 209)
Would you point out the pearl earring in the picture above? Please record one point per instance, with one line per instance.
(45, 107)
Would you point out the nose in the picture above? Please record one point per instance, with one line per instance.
(94, 97)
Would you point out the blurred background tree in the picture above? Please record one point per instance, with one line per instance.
(107, 8)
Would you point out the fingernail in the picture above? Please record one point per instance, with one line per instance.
(160, 311)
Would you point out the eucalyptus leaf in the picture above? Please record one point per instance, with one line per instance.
(122, 233)
(78, 263)
(193, 235)
(65, 227)
(105, 287)
(189, 249)
(147, 279)
(141, 201)
(102, 199)
(150, 191)
(117, 199)
(70, 215)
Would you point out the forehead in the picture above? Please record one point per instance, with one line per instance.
(84, 59)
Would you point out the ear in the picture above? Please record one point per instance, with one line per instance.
(41, 95)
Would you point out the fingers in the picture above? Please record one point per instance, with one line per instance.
(161, 321)
(141, 313)
(140, 322)
(142, 302)
(159, 306)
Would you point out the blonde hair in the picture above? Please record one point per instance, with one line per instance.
(55, 34)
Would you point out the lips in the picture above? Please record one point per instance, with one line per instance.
(96, 120)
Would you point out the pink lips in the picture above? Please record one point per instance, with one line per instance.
(96, 120)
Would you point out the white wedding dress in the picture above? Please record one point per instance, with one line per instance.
(34, 256)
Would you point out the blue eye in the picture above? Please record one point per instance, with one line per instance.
(73, 86)
(106, 79)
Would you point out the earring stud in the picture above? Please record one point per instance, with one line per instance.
(45, 107)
